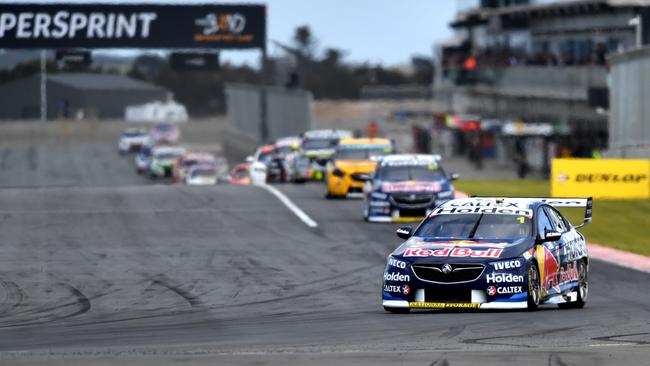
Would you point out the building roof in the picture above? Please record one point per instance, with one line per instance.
(92, 81)
(556, 8)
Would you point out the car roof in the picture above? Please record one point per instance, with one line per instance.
(328, 134)
(288, 141)
(203, 166)
(364, 141)
(168, 149)
(198, 156)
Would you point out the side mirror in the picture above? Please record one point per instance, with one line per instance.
(454, 176)
(551, 236)
(250, 159)
(404, 232)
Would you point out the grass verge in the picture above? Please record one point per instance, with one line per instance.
(620, 224)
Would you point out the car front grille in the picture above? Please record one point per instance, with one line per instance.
(459, 272)
(412, 200)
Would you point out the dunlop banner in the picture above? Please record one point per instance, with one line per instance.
(601, 178)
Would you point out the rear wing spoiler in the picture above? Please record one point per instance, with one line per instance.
(587, 203)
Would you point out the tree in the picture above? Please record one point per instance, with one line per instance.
(304, 41)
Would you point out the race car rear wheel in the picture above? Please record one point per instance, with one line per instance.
(397, 310)
(533, 286)
(583, 289)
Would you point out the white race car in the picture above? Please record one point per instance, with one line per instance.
(202, 175)
(132, 139)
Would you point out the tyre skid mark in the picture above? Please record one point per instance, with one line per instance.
(38, 316)
(485, 341)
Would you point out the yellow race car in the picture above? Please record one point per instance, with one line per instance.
(353, 162)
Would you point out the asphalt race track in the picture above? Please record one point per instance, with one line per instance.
(97, 263)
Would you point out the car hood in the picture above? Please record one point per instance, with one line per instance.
(418, 249)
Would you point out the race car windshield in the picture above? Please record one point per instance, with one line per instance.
(165, 156)
(360, 154)
(265, 157)
(203, 173)
(476, 226)
(164, 128)
(133, 134)
(283, 150)
(410, 172)
(188, 163)
(317, 144)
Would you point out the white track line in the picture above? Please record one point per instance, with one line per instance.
(290, 205)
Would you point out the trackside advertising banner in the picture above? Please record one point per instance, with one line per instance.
(132, 26)
(601, 178)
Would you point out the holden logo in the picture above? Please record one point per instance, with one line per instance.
(491, 290)
(412, 197)
(446, 269)
(406, 289)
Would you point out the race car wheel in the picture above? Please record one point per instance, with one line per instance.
(397, 310)
(533, 286)
(583, 289)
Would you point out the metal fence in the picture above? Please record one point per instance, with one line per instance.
(259, 115)
(629, 120)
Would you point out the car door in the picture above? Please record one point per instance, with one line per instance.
(571, 248)
(548, 254)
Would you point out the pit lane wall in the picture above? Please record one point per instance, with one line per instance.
(258, 115)
(629, 117)
(601, 178)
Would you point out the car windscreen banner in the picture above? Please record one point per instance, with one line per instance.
(57, 26)
(601, 178)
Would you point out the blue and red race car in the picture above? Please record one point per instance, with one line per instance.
(490, 253)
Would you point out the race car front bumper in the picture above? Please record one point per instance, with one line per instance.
(403, 304)
(498, 284)
(381, 207)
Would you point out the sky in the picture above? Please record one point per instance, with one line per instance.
(375, 31)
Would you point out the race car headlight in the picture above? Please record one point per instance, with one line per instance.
(378, 196)
(338, 172)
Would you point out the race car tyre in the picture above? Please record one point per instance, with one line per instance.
(533, 286)
(397, 310)
(583, 289)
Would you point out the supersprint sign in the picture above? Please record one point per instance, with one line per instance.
(131, 26)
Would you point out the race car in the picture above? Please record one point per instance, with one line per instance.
(406, 187)
(202, 174)
(318, 146)
(143, 158)
(490, 253)
(355, 159)
(294, 166)
(258, 164)
(185, 162)
(162, 160)
(240, 174)
(165, 132)
(132, 139)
